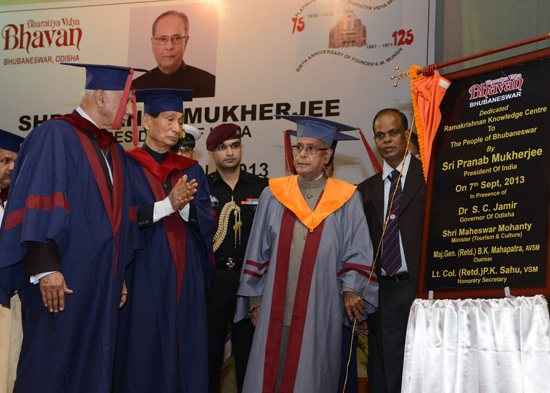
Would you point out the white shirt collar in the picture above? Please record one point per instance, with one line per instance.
(387, 169)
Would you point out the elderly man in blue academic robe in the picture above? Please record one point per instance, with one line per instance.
(162, 333)
(68, 227)
(308, 270)
(11, 332)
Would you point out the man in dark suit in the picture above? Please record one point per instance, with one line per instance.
(169, 41)
(398, 272)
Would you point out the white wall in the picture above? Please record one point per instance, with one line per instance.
(250, 45)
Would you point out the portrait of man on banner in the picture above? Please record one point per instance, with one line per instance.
(183, 42)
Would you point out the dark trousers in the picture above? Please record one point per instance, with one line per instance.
(352, 383)
(220, 312)
(387, 337)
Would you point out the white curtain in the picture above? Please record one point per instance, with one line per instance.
(478, 345)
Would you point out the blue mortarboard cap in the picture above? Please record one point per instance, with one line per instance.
(339, 137)
(327, 131)
(10, 142)
(105, 77)
(163, 100)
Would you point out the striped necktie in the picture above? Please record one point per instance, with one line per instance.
(391, 249)
(108, 157)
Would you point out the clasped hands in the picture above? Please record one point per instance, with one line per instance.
(53, 287)
(182, 193)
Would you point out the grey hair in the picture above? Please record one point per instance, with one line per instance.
(181, 14)
(85, 95)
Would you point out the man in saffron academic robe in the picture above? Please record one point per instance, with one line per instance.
(308, 264)
(67, 227)
(162, 342)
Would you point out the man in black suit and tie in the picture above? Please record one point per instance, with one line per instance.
(402, 187)
(169, 42)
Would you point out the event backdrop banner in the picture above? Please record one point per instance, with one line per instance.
(328, 58)
(491, 182)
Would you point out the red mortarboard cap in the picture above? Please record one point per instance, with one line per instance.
(222, 133)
